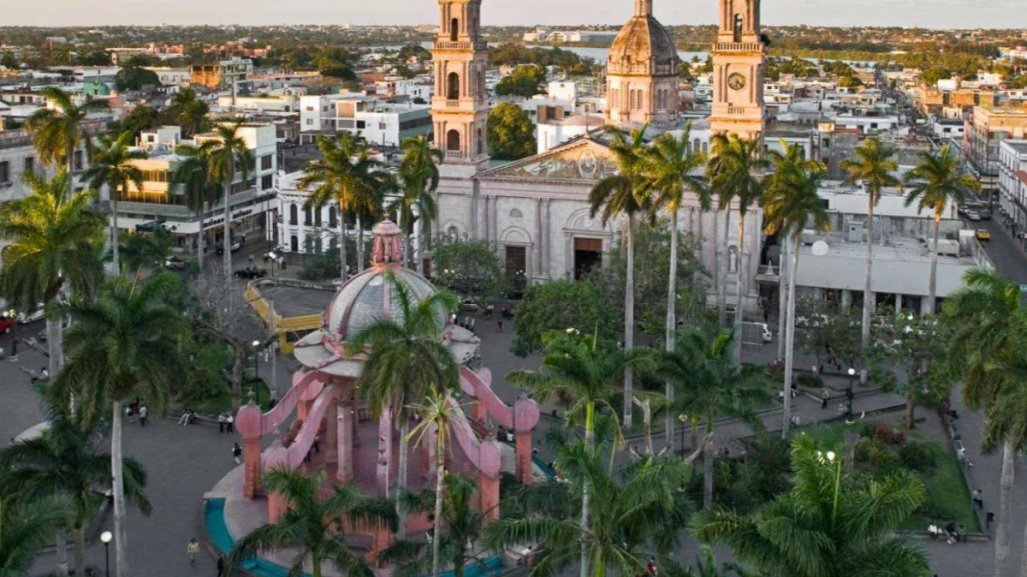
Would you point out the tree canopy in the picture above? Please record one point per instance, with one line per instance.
(511, 135)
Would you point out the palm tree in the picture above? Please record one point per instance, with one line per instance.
(936, 182)
(734, 176)
(829, 524)
(149, 249)
(119, 346)
(437, 412)
(419, 174)
(192, 174)
(189, 111)
(347, 175)
(643, 512)
(312, 525)
(111, 166)
(228, 155)
(581, 369)
(712, 386)
(625, 194)
(54, 238)
(462, 523)
(24, 528)
(58, 129)
(64, 463)
(791, 202)
(874, 166)
(987, 323)
(669, 167)
(407, 359)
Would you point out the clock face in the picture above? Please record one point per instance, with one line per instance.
(736, 81)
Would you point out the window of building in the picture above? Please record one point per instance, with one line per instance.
(293, 214)
(267, 181)
(738, 27)
(453, 141)
(265, 162)
(454, 29)
(310, 121)
(361, 124)
(333, 218)
(306, 216)
(310, 109)
(30, 164)
(5, 172)
(317, 217)
(77, 160)
(453, 86)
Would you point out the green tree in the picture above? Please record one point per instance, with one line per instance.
(711, 385)
(468, 267)
(24, 529)
(135, 78)
(874, 167)
(557, 305)
(525, 81)
(112, 166)
(228, 155)
(916, 345)
(407, 359)
(625, 194)
(734, 174)
(669, 168)
(642, 512)
(419, 175)
(790, 203)
(828, 332)
(189, 112)
(829, 524)
(58, 129)
(347, 175)
(313, 526)
(8, 60)
(461, 521)
(64, 464)
(141, 118)
(120, 346)
(935, 183)
(584, 370)
(148, 249)
(335, 62)
(53, 238)
(511, 135)
(192, 174)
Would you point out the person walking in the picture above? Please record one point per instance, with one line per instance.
(230, 423)
(221, 422)
(978, 498)
(193, 549)
(499, 326)
(144, 414)
(825, 395)
(14, 350)
(237, 454)
(221, 565)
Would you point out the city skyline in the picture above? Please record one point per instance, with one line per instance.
(951, 14)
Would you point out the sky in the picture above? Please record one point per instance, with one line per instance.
(924, 13)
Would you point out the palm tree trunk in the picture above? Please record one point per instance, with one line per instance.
(199, 242)
(80, 550)
(115, 250)
(722, 279)
(629, 317)
(120, 532)
(932, 286)
(790, 343)
(672, 288)
(1005, 494)
(315, 566)
(738, 287)
(61, 546)
(342, 243)
(590, 410)
(360, 245)
(707, 457)
(53, 343)
(401, 476)
(782, 298)
(864, 338)
(440, 487)
(910, 416)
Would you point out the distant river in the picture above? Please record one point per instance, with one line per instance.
(597, 54)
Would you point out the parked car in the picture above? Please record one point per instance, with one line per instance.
(973, 215)
(983, 234)
(7, 324)
(766, 333)
(469, 305)
(251, 272)
(31, 317)
(175, 263)
(236, 245)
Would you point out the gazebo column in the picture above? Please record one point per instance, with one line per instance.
(488, 490)
(480, 412)
(384, 451)
(332, 432)
(344, 441)
(523, 455)
(251, 466)
(276, 507)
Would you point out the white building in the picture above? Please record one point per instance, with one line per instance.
(1012, 182)
(379, 122)
(170, 76)
(282, 104)
(949, 128)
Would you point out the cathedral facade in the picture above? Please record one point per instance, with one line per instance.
(535, 211)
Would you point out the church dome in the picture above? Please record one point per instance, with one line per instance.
(643, 46)
(372, 294)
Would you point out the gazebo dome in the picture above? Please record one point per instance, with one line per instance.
(643, 47)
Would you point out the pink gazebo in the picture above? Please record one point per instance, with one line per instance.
(333, 429)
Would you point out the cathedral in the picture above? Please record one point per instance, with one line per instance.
(535, 211)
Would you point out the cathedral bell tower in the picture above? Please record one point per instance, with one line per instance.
(738, 56)
(460, 106)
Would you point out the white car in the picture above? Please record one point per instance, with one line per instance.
(973, 215)
(766, 333)
(31, 317)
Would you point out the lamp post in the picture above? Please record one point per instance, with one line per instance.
(849, 394)
(684, 420)
(256, 359)
(106, 537)
(274, 261)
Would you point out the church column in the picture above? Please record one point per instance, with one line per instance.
(539, 248)
(547, 244)
(344, 441)
(331, 432)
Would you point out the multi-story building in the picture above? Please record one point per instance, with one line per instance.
(1012, 184)
(224, 74)
(988, 128)
(380, 122)
(160, 201)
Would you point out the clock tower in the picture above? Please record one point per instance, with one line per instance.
(738, 56)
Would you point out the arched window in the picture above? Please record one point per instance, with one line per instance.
(705, 148)
(294, 215)
(306, 216)
(333, 217)
(481, 142)
(317, 217)
(453, 86)
(453, 140)
(695, 145)
(454, 29)
(738, 27)
(615, 97)
(294, 243)
(631, 104)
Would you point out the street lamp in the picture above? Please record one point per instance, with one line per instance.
(274, 261)
(848, 393)
(684, 419)
(106, 537)
(256, 367)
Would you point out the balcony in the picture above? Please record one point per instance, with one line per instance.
(738, 47)
(452, 103)
(454, 155)
(739, 110)
(460, 45)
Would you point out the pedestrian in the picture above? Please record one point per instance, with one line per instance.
(222, 421)
(221, 565)
(186, 417)
(978, 499)
(193, 549)
(14, 350)
(144, 413)
(825, 395)
(230, 423)
(950, 532)
(237, 453)
(273, 402)
(499, 326)
(129, 413)
(650, 567)
(963, 458)
(932, 531)
(317, 444)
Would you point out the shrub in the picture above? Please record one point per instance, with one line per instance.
(875, 454)
(889, 434)
(810, 381)
(917, 456)
(776, 374)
